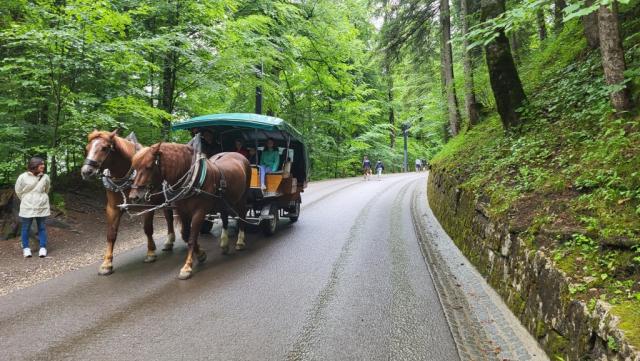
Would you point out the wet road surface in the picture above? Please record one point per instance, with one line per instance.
(348, 281)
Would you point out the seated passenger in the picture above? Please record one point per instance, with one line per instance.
(269, 161)
(240, 148)
(253, 156)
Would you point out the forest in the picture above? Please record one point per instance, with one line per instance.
(67, 67)
(348, 74)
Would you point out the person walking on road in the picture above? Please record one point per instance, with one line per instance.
(32, 188)
(418, 164)
(379, 168)
(366, 167)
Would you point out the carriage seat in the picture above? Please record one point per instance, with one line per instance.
(272, 179)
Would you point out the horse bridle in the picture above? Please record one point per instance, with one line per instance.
(95, 163)
(157, 166)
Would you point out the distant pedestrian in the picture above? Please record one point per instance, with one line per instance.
(366, 167)
(379, 168)
(418, 164)
(32, 188)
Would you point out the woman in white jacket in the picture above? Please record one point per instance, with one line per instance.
(32, 187)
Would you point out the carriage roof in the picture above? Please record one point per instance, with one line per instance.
(252, 126)
(241, 120)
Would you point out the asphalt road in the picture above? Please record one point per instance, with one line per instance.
(348, 281)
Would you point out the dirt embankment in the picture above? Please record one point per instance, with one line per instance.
(77, 237)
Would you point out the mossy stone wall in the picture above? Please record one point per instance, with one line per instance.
(526, 279)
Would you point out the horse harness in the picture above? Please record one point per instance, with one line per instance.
(192, 182)
(189, 185)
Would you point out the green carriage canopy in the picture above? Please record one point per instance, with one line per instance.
(254, 127)
(240, 120)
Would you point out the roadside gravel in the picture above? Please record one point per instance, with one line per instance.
(77, 240)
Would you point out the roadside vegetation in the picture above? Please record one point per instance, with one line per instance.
(568, 178)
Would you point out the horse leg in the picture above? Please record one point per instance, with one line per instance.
(113, 221)
(224, 237)
(171, 234)
(185, 230)
(242, 212)
(193, 248)
(151, 245)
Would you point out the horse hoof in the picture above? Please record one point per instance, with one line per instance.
(167, 247)
(184, 275)
(240, 247)
(150, 258)
(225, 250)
(202, 257)
(105, 271)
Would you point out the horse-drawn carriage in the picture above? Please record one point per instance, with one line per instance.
(176, 177)
(281, 195)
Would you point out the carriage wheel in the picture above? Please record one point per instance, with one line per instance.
(206, 227)
(269, 225)
(297, 212)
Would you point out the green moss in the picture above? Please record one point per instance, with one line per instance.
(557, 345)
(629, 313)
(541, 329)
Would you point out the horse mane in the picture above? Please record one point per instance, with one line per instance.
(175, 159)
(125, 147)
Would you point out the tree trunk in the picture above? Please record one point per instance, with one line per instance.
(392, 115)
(590, 24)
(515, 47)
(167, 90)
(447, 68)
(470, 103)
(558, 7)
(613, 56)
(542, 27)
(169, 75)
(503, 75)
(392, 121)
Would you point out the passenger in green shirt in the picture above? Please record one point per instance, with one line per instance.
(269, 161)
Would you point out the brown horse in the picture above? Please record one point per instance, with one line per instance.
(223, 190)
(106, 150)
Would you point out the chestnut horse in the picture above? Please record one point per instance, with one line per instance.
(107, 151)
(224, 189)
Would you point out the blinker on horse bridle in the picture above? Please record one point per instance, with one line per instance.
(96, 164)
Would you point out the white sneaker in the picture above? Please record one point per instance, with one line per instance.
(26, 252)
(43, 252)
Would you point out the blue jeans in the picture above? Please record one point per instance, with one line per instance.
(42, 232)
(263, 174)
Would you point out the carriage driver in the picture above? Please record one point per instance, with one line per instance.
(269, 161)
(208, 141)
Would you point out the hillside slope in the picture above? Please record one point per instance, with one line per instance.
(568, 182)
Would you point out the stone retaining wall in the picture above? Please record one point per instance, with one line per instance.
(526, 279)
